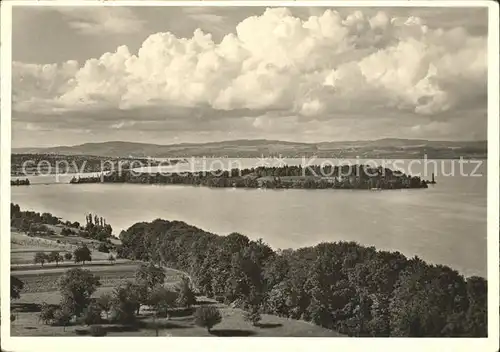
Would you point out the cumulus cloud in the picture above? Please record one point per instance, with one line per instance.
(321, 67)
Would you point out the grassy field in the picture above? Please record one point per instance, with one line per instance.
(180, 323)
(24, 247)
(44, 280)
(40, 285)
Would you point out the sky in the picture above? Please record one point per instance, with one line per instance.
(196, 74)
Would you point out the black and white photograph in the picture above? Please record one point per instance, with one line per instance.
(250, 171)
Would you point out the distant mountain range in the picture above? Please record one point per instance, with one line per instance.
(381, 148)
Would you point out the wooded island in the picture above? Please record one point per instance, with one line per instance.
(309, 177)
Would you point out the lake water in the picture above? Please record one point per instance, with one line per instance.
(444, 224)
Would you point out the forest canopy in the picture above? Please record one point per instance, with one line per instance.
(356, 290)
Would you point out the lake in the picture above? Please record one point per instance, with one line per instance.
(444, 224)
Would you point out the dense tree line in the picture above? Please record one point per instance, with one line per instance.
(34, 223)
(310, 177)
(356, 290)
(30, 221)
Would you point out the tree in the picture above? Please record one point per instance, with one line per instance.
(207, 317)
(76, 287)
(379, 324)
(143, 294)
(477, 313)
(111, 259)
(343, 286)
(62, 316)
(147, 278)
(150, 275)
(425, 301)
(161, 299)
(105, 302)
(92, 314)
(68, 256)
(16, 286)
(186, 295)
(124, 303)
(82, 254)
(40, 258)
(46, 313)
(54, 256)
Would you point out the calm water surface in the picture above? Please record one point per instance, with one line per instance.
(444, 224)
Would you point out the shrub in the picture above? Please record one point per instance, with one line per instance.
(16, 286)
(62, 316)
(68, 256)
(66, 232)
(97, 330)
(207, 317)
(92, 314)
(46, 313)
(103, 248)
(252, 315)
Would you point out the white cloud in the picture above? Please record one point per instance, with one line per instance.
(208, 17)
(95, 21)
(314, 68)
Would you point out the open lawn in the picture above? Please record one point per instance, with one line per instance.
(24, 247)
(180, 323)
(37, 279)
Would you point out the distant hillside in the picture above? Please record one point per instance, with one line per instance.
(382, 148)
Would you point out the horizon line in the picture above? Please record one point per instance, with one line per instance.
(256, 139)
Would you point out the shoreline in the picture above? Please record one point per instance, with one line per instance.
(294, 247)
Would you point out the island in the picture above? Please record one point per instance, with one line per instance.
(283, 177)
(20, 182)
